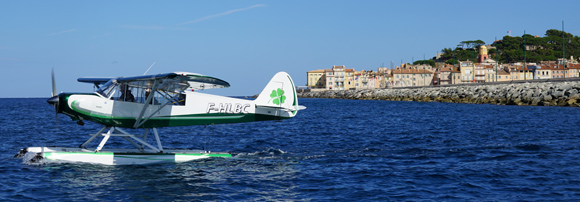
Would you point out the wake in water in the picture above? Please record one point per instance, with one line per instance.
(30, 158)
(268, 153)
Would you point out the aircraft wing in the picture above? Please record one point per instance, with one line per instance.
(177, 81)
(96, 81)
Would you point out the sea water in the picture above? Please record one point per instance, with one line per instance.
(349, 150)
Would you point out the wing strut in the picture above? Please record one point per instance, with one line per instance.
(138, 124)
(138, 121)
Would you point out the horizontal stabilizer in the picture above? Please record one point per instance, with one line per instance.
(292, 109)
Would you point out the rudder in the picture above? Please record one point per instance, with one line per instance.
(280, 92)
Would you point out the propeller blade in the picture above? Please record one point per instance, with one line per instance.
(56, 112)
(53, 84)
(54, 99)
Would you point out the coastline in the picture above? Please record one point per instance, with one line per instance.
(524, 94)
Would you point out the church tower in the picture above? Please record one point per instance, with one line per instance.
(482, 54)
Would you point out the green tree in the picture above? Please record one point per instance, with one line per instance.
(472, 43)
(452, 61)
(511, 49)
(421, 62)
(447, 53)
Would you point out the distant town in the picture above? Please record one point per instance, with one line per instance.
(482, 70)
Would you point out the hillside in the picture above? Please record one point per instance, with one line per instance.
(511, 49)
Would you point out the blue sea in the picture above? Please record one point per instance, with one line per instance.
(346, 150)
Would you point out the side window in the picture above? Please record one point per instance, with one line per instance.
(138, 91)
(145, 94)
(181, 99)
(124, 93)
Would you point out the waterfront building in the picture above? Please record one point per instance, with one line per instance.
(448, 74)
(503, 75)
(316, 79)
(427, 75)
(547, 70)
(445, 75)
(574, 70)
(456, 75)
(524, 73)
(490, 75)
(341, 78)
(366, 80)
(329, 79)
(388, 80)
(385, 77)
(377, 78)
(357, 80)
(349, 79)
(332, 82)
(558, 72)
(535, 70)
(479, 73)
(339, 73)
(543, 72)
(412, 77)
(361, 80)
(573, 67)
(402, 77)
(514, 74)
(467, 71)
(513, 70)
(337, 77)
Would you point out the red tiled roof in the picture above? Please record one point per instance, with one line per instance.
(412, 71)
(502, 72)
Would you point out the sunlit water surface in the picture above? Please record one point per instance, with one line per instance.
(335, 149)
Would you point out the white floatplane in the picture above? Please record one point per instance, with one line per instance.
(152, 101)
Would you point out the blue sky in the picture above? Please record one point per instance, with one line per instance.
(244, 42)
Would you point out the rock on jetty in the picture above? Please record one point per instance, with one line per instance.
(535, 94)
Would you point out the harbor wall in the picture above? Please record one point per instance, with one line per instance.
(562, 93)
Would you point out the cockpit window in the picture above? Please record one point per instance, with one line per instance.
(125, 93)
(139, 91)
(107, 89)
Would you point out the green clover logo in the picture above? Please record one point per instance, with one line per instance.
(278, 96)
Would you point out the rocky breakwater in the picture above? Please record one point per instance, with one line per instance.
(536, 94)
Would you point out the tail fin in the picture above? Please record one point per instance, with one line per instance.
(280, 93)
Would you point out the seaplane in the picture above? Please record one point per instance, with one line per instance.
(148, 102)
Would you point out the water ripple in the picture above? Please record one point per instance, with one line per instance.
(351, 150)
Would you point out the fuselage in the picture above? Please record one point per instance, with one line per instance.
(197, 109)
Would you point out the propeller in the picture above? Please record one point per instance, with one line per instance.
(53, 84)
(54, 100)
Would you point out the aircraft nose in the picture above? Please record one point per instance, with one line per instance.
(53, 100)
